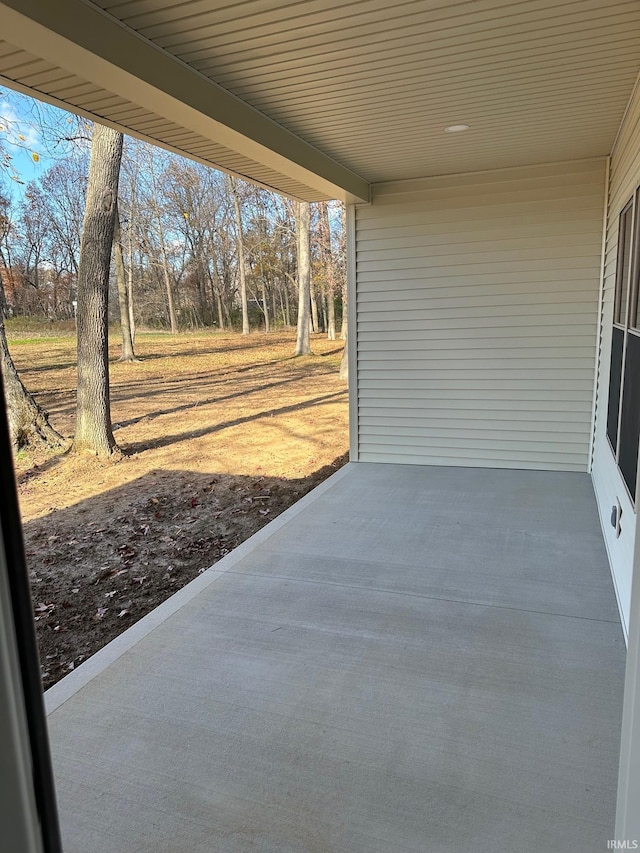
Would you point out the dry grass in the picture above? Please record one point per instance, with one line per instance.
(216, 402)
(220, 434)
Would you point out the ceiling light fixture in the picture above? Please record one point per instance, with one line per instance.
(456, 128)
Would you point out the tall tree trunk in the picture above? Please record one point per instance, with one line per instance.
(166, 275)
(265, 309)
(130, 307)
(331, 322)
(167, 284)
(287, 309)
(123, 303)
(130, 253)
(205, 311)
(219, 310)
(227, 315)
(216, 293)
(93, 410)
(345, 312)
(132, 319)
(303, 344)
(314, 307)
(325, 237)
(240, 249)
(28, 422)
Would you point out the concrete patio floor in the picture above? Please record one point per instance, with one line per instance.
(410, 659)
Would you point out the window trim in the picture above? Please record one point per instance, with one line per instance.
(632, 298)
(630, 206)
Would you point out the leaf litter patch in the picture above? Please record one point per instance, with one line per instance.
(114, 558)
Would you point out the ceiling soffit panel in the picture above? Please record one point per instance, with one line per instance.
(374, 83)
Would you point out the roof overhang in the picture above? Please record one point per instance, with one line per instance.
(321, 98)
(95, 47)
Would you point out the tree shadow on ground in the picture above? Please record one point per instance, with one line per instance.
(165, 440)
(229, 346)
(127, 389)
(206, 402)
(100, 565)
(179, 353)
(45, 368)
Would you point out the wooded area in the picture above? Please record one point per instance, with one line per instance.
(190, 241)
(193, 248)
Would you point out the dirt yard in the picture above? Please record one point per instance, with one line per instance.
(220, 434)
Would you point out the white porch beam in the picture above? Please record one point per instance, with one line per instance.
(81, 38)
(18, 813)
(628, 804)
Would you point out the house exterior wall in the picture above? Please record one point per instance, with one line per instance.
(624, 178)
(476, 310)
(624, 553)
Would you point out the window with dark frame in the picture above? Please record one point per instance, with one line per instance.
(623, 415)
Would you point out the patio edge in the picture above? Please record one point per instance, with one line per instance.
(71, 684)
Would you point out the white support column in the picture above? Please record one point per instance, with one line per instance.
(19, 823)
(628, 807)
(352, 331)
(598, 354)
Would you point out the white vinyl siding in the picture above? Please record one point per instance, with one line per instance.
(477, 306)
(624, 177)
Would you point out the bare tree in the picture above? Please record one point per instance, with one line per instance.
(94, 433)
(314, 305)
(128, 353)
(233, 188)
(128, 204)
(324, 236)
(63, 187)
(28, 422)
(155, 201)
(197, 211)
(303, 343)
(194, 246)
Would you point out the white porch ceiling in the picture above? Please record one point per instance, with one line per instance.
(358, 89)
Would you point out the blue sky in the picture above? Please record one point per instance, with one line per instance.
(22, 116)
